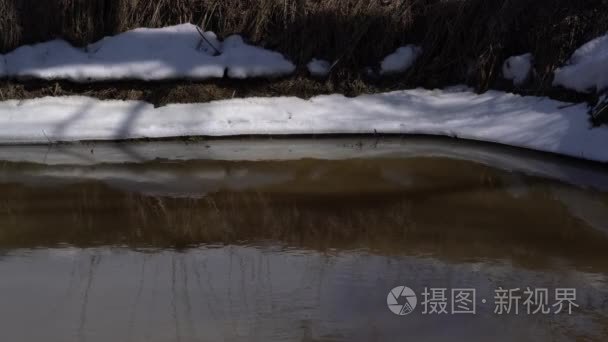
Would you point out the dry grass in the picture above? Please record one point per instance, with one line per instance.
(463, 40)
(9, 25)
(162, 93)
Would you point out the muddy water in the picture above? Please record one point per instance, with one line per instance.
(297, 248)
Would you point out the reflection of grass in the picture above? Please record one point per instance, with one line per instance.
(481, 224)
(95, 215)
(229, 218)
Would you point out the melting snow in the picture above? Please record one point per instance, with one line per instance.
(587, 69)
(147, 54)
(531, 122)
(400, 60)
(319, 67)
(517, 68)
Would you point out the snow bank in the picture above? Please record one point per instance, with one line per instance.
(400, 60)
(517, 68)
(530, 122)
(587, 69)
(54, 59)
(319, 67)
(147, 54)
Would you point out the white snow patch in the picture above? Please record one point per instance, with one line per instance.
(49, 60)
(319, 67)
(587, 69)
(245, 61)
(147, 54)
(531, 122)
(400, 60)
(517, 68)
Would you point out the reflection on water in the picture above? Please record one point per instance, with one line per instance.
(267, 293)
(302, 250)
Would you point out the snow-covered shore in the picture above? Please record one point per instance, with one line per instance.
(530, 122)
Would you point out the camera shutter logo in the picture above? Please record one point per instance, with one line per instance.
(401, 300)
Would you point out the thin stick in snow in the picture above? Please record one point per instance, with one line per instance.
(217, 52)
(47, 137)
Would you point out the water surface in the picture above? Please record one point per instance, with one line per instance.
(199, 243)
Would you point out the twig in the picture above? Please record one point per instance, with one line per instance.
(334, 64)
(568, 105)
(46, 136)
(217, 52)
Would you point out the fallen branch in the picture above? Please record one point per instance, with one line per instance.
(200, 31)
